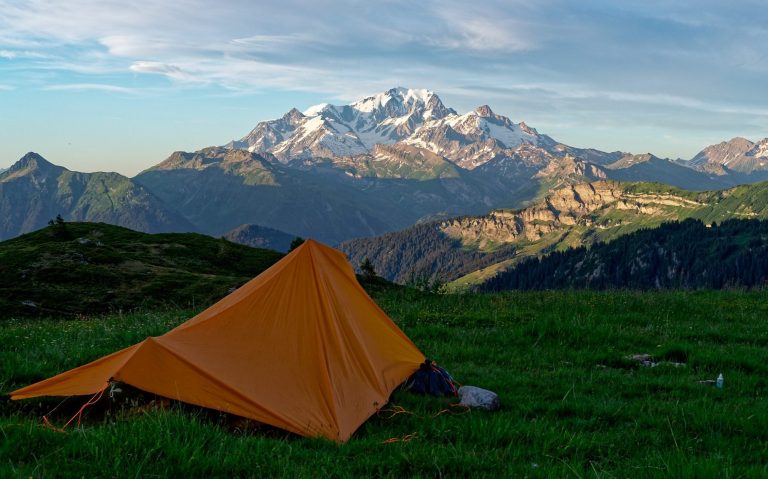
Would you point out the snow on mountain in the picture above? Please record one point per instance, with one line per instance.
(332, 130)
(320, 136)
(472, 139)
(761, 150)
(316, 109)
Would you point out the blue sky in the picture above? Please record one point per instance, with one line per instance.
(115, 85)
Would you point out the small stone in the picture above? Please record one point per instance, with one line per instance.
(475, 397)
(670, 363)
(642, 359)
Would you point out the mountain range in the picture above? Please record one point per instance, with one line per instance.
(336, 172)
(387, 162)
(33, 191)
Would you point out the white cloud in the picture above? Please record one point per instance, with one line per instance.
(171, 71)
(23, 55)
(265, 43)
(483, 29)
(89, 86)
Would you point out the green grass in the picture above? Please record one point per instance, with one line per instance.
(573, 405)
(84, 268)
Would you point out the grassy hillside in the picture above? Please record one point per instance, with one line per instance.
(85, 268)
(572, 404)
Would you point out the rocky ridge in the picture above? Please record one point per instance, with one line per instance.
(568, 206)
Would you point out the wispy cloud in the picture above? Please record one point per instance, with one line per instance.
(483, 29)
(172, 71)
(23, 55)
(91, 87)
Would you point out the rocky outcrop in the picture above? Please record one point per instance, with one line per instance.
(567, 206)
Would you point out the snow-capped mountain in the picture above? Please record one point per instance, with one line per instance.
(475, 138)
(331, 131)
(410, 134)
(738, 154)
(414, 117)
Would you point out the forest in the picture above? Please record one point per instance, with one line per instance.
(686, 255)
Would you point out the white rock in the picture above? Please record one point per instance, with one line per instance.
(472, 396)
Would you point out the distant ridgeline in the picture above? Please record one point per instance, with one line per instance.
(687, 255)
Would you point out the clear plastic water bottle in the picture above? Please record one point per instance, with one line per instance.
(719, 381)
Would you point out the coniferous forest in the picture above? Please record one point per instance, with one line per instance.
(421, 252)
(687, 255)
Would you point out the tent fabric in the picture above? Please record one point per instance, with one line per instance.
(301, 347)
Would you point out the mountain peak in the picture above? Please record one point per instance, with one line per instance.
(402, 96)
(407, 93)
(484, 111)
(293, 115)
(32, 157)
(31, 162)
(733, 154)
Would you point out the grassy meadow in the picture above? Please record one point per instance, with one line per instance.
(573, 405)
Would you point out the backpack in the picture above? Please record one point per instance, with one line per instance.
(431, 379)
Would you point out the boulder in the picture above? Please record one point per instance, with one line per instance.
(479, 398)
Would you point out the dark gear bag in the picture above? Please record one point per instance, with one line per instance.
(431, 379)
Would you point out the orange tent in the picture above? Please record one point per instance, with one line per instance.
(301, 347)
